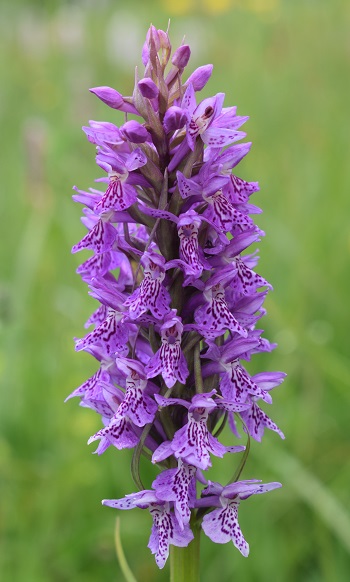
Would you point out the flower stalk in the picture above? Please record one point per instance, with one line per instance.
(179, 302)
(185, 562)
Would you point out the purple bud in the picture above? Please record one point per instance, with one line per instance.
(174, 119)
(181, 56)
(113, 99)
(164, 40)
(165, 47)
(200, 77)
(148, 88)
(134, 132)
(152, 31)
(161, 42)
(109, 96)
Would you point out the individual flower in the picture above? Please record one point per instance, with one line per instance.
(221, 525)
(165, 530)
(193, 443)
(112, 334)
(137, 403)
(169, 360)
(119, 432)
(214, 317)
(119, 195)
(179, 486)
(151, 295)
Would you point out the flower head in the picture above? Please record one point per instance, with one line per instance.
(178, 296)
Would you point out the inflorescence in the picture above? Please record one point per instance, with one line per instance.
(179, 302)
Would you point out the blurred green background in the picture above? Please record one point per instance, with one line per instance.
(284, 63)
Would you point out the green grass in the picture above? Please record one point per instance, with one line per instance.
(287, 66)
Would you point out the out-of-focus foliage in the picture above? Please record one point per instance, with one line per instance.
(286, 64)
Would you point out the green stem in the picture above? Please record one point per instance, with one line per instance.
(184, 562)
(198, 370)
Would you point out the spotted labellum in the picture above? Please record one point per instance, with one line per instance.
(179, 300)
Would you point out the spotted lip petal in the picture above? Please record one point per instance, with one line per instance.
(178, 485)
(221, 526)
(169, 359)
(214, 317)
(166, 531)
(118, 196)
(100, 238)
(246, 280)
(193, 443)
(224, 215)
(236, 384)
(112, 334)
(98, 265)
(137, 405)
(89, 384)
(256, 420)
(119, 433)
(150, 296)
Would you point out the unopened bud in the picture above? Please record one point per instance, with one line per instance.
(164, 40)
(181, 56)
(200, 77)
(175, 118)
(148, 88)
(134, 132)
(113, 99)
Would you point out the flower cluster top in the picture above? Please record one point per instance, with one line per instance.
(179, 297)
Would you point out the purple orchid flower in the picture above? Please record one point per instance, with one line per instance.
(169, 360)
(193, 443)
(219, 209)
(178, 297)
(137, 404)
(255, 419)
(165, 530)
(221, 525)
(119, 195)
(214, 317)
(179, 486)
(207, 121)
(100, 238)
(119, 431)
(192, 259)
(151, 294)
(112, 334)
